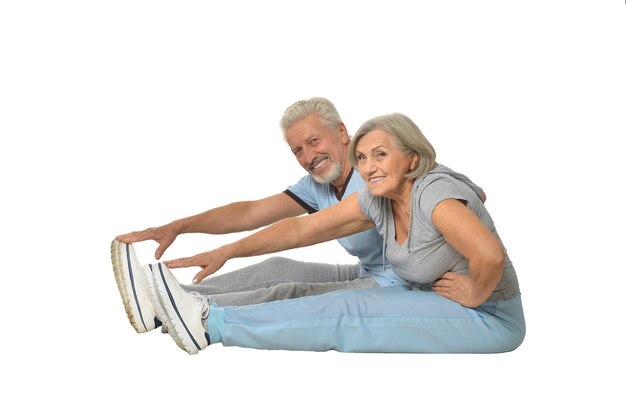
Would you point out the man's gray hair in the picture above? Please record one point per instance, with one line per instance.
(300, 109)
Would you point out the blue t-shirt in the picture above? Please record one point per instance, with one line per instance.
(367, 245)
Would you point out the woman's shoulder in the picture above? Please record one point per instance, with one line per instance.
(443, 181)
(372, 206)
(439, 185)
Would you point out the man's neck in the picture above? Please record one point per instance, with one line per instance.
(339, 185)
(346, 169)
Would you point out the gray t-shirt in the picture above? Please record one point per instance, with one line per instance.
(425, 255)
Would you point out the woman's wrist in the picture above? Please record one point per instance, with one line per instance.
(226, 252)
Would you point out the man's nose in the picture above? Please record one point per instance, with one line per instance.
(309, 155)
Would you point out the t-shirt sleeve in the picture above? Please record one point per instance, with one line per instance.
(437, 191)
(371, 206)
(304, 193)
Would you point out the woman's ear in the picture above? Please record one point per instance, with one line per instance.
(415, 158)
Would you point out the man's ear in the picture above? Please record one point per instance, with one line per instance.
(343, 131)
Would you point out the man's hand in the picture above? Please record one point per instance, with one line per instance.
(210, 262)
(163, 235)
(460, 288)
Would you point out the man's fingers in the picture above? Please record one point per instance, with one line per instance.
(128, 238)
(134, 237)
(162, 248)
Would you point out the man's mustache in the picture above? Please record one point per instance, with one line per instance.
(316, 161)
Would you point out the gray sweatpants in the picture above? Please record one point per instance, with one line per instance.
(279, 278)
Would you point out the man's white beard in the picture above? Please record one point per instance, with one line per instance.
(333, 174)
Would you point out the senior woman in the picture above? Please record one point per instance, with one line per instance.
(462, 293)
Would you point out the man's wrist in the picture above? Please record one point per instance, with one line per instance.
(180, 226)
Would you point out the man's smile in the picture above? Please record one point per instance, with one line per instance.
(316, 164)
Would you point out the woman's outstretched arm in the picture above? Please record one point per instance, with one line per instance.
(337, 221)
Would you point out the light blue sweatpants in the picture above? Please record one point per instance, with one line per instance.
(385, 319)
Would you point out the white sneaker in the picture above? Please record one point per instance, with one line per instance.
(149, 271)
(131, 282)
(184, 312)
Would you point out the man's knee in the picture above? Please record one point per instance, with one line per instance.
(278, 262)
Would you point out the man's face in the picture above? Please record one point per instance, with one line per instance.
(318, 148)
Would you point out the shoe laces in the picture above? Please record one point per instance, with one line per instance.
(202, 301)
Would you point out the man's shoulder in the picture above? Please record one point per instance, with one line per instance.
(309, 192)
(355, 183)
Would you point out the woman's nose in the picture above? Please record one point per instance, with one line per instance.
(370, 167)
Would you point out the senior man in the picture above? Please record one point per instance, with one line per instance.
(319, 140)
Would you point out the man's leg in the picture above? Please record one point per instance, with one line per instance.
(287, 291)
(278, 278)
(387, 319)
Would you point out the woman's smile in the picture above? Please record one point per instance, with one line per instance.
(383, 164)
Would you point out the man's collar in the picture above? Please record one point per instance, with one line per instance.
(339, 194)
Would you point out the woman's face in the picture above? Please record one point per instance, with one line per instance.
(383, 165)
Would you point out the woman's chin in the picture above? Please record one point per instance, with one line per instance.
(375, 191)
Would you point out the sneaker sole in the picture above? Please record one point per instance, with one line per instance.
(127, 290)
(175, 321)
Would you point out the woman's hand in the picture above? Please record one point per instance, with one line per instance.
(343, 219)
(464, 231)
(460, 288)
(210, 262)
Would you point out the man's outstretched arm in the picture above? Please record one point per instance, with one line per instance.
(235, 217)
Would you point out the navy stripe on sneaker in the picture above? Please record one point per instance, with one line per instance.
(169, 293)
(157, 322)
(132, 283)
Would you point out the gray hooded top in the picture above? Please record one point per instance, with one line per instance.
(425, 255)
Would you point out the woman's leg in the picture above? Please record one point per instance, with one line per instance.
(386, 319)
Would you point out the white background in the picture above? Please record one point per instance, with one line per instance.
(120, 115)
